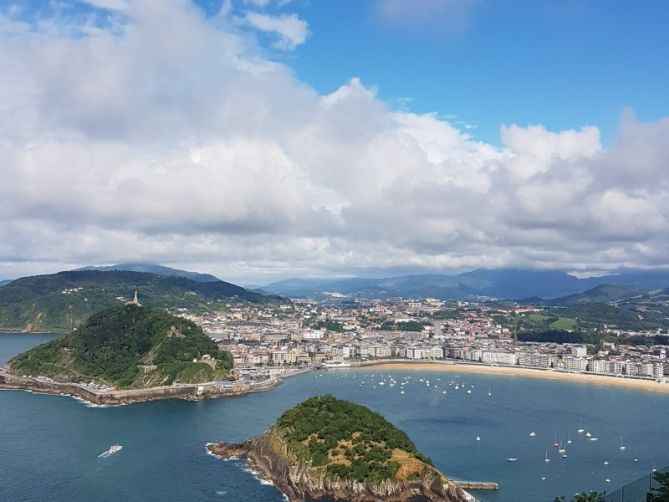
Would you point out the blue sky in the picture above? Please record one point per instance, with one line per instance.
(263, 139)
(561, 63)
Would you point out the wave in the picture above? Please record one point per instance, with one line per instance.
(256, 474)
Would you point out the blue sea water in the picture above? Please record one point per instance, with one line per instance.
(49, 445)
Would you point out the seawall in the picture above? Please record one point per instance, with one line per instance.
(127, 396)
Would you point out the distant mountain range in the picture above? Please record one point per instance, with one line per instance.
(498, 283)
(155, 269)
(64, 300)
(4, 282)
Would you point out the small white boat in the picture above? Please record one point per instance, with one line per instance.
(547, 459)
(543, 478)
(588, 434)
(512, 459)
(533, 434)
(561, 448)
(564, 455)
(607, 480)
(594, 438)
(115, 448)
(469, 391)
(622, 447)
(478, 438)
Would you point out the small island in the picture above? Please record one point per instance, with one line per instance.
(126, 354)
(327, 447)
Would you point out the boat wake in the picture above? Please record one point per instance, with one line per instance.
(115, 448)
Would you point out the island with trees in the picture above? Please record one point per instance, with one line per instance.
(327, 447)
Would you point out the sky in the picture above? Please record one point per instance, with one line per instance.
(263, 139)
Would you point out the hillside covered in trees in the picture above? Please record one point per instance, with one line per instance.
(349, 440)
(329, 448)
(64, 300)
(128, 347)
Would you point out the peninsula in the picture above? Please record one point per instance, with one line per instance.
(327, 447)
(125, 354)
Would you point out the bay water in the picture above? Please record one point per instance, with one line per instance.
(49, 445)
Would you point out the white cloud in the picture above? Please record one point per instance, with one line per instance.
(290, 29)
(196, 150)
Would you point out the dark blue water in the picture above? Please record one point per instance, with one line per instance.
(49, 444)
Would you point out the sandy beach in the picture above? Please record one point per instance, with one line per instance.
(627, 383)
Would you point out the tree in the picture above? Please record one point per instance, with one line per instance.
(661, 493)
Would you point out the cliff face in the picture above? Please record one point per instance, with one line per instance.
(299, 480)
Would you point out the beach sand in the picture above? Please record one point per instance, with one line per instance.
(627, 383)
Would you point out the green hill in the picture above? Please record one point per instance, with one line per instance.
(128, 347)
(605, 293)
(329, 448)
(349, 440)
(64, 300)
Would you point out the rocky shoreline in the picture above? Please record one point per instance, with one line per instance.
(299, 481)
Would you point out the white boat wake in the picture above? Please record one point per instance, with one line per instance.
(115, 448)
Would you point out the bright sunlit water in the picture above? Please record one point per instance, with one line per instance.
(49, 445)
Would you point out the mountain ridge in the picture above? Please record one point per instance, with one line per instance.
(152, 268)
(63, 300)
(490, 283)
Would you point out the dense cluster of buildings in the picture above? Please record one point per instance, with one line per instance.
(306, 333)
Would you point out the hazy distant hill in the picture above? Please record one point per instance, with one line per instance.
(65, 299)
(617, 306)
(605, 293)
(156, 269)
(4, 282)
(498, 283)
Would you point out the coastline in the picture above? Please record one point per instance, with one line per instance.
(213, 390)
(451, 367)
(270, 461)
(190, 392)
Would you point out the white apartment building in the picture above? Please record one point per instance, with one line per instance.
(505, 358)
(599, 366)
(536, 360)
(576, 364)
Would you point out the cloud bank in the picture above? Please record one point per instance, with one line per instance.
(157, 133)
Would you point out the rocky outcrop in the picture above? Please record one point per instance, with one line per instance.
(298, 480)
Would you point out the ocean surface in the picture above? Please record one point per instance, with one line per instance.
(49, 445)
